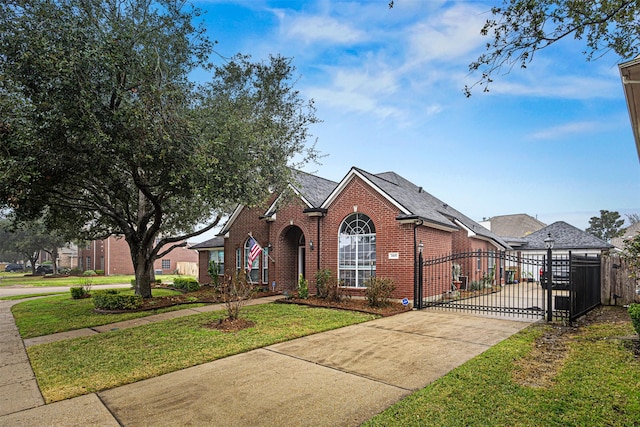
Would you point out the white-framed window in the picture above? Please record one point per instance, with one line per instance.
(356, 250)
(265, 265)
(88, 263)
(217, 256)
(166, 264)
(254, 272)
(479, 260)
(238, 260)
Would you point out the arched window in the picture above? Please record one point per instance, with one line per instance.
(356, 250)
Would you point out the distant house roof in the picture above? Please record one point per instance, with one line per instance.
(566, 237)
(215, 243)
(629, 233)
(517, 225)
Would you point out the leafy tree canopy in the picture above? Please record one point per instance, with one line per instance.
(103, 131)
(520, 28)
(607, 226)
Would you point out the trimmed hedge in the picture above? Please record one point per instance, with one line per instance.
(634, 313)
(187, 283)
(110, 299)
(78, 292)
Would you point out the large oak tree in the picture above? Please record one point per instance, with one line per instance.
(518, 29)
(103, 129)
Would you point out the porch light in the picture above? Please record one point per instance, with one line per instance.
(549, 242)
(420, 246)
(311, 244)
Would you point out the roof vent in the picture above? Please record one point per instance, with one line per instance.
(419, 189)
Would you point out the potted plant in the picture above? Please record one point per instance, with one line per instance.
(456, 270)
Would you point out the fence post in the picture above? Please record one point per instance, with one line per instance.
(549, 244)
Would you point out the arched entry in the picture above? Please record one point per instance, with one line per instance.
(292, 257)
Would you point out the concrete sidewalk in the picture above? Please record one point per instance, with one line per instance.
(336, 378)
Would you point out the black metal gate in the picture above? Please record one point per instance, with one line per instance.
(585, 284)
(508, 284)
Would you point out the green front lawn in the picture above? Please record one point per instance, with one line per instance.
(597, 384)
(12, 279)
(79, 366)
(61, 313)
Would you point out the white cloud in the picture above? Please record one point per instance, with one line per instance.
(452, 34)
(314, 29)
(561, 131)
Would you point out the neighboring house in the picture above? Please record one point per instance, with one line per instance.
(113, 256)
(566, 239)
(208, 251)
(629, 233)
(518, 225)
(365, 225)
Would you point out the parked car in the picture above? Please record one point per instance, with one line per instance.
(560, 275)
(44, 269)
(14, 267)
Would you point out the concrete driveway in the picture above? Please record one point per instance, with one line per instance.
(337, 378)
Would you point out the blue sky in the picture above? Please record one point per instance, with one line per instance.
(553, 141)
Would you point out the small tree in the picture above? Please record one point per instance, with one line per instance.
(631, 254)
(237, 291)
(607, 226)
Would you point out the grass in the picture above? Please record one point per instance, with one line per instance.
(62, 313)
(596, 385)
(12, 279)
(84, 365)
(25, 296)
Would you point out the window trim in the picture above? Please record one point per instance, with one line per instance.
(360, 229)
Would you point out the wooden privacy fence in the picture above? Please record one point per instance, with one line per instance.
(617, 287)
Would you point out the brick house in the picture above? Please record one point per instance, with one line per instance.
(113, 256)
(365, 225)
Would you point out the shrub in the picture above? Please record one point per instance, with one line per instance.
(89, 273)
(110, 299)
(379, 291)
(187, 283)
(322, 282)
(303, 288)
(78, 292)
(634, 313)
(100, 272)
(213, 270)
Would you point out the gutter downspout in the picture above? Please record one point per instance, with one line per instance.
(417, 303)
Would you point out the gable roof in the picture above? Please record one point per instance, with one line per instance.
(517, 225)
(311, 189)
(416, 204)
(565, 236)
(216, 242)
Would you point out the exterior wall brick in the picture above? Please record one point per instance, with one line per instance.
(113, 256)
(292, 231)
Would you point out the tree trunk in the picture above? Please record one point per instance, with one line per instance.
(143, 266)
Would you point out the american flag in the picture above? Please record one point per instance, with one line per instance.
(254, 251)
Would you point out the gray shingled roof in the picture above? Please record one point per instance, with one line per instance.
(518, 225)
(565, 236)
(216, 242)
(424, 205)
(313, 188)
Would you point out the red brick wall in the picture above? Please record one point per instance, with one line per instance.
(112, 255)
(357, 196)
